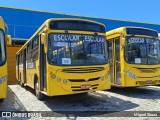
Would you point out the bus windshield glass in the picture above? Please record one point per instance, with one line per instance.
(76, 25)
(2, 48)
(141, 50)
(72, 49)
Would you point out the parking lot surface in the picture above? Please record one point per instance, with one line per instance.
(90, 105)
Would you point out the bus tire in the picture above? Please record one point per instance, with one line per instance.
(38, 94)
(1, 100)
(20, 82)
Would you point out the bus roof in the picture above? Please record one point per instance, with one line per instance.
(46, 23)
(120, 29)
(54, 19)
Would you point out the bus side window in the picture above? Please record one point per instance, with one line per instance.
(30, 46)
(109, 43)
(35, 49)
(27, 53)
(35, 42)
(20, 58)
(29, 50)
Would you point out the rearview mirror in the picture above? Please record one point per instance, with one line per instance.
(43, 38)
(123, 41)
(9, 40)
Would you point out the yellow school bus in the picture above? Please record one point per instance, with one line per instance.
(4, 39)
(134, 56)
(65, 56)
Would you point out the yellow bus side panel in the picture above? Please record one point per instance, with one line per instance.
(31, 74)
(3, 86)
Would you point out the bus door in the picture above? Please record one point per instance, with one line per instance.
(42, 66)
(111, 57)
(24, 65)
(114, 61)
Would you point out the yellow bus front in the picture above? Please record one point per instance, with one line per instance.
(3, 81)
(76, 58)
(141, 58)
(3, 63)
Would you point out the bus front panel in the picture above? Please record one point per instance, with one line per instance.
(76, 63)
(72, 80)
(141, 61)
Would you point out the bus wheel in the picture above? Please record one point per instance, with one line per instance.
(38, 94)
(20, 82)
(1, 100)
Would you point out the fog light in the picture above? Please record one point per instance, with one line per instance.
(65, 81)
(58, 79)
(53, 76)
(102, 78)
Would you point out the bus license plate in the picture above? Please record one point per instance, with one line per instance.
(149, 82)
(85, 86)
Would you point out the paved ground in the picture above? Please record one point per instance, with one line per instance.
(92, 105)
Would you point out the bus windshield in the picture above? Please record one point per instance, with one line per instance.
(72, 49)
(2, 48)
(141, 50)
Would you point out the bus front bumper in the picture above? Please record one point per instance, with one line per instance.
(66, 89)
(130, 82)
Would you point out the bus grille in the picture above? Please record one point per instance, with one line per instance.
(83, 80)
(83, 70)
(78, 88)
(148, 70)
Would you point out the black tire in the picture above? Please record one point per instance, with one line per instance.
(38, 94)
(20, 82)
(1, 100)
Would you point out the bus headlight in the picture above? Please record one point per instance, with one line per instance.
(53, 76)
(58, 79)
(65, 81)
(2, 79)
(130, 74)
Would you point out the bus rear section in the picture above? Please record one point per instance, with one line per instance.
(4, 38)
(71, 58)
(134, 56)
